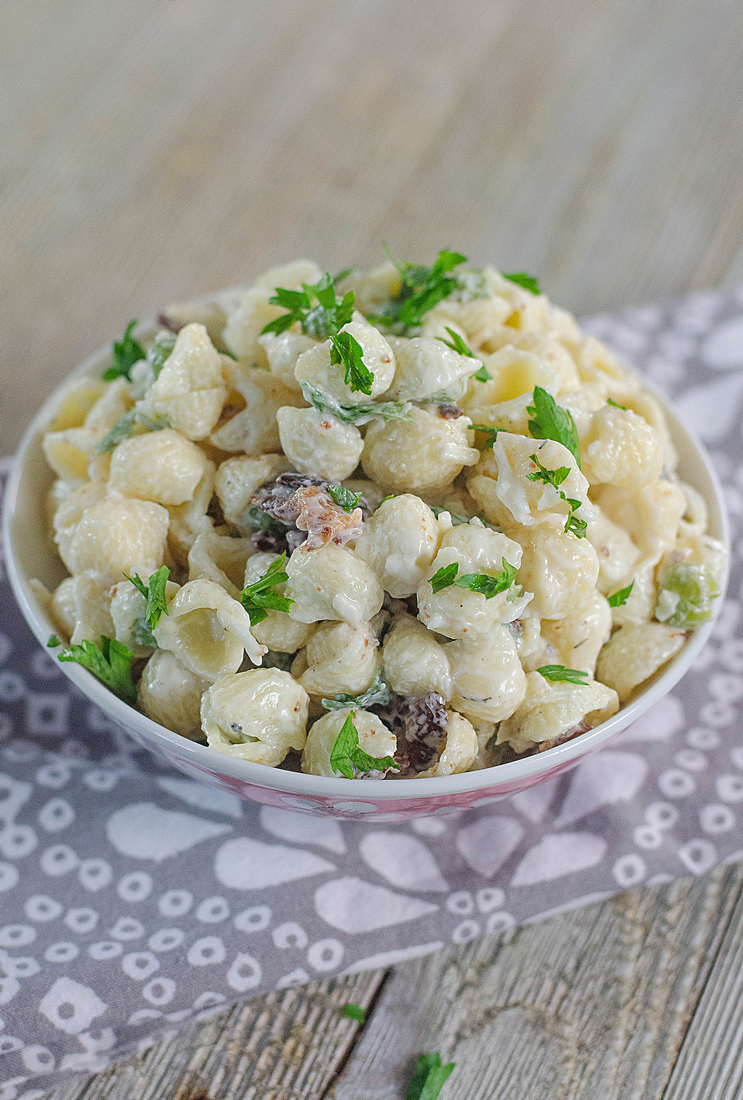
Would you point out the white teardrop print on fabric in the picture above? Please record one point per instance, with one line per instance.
(722, 349)
(146, 831)
(660, 723)
(557, 855)
(487, 843)
(301, 829)
(246, 864)
(202, 797)
(403, 860)
(354, 906)
(535, 801)
(603, 779)
(713, 408)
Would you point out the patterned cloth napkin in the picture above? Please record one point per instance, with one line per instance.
(132, 898)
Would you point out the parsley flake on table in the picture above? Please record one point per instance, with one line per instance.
(347, 754)
(619, 599)
(556, 673)
(259, 598)
(551, 421)
(344, 498)
(355, 1012)
(421, 288)
(429, 1077)
(376, 693)
(126, 352)
(355, 414)
(520, 278)
(154, 593)
(111, 662)
(457, 344)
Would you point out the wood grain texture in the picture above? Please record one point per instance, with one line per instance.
(153, 150)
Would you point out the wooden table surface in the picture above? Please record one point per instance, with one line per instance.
(155, 149)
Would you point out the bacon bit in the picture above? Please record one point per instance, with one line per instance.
(303, 502)
(450, 411)
(169, 323)
(323, 520)
(420, 727)
(582, 727)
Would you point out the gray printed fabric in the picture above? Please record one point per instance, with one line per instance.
(132, 898)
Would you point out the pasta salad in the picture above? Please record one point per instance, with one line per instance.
(394, 523)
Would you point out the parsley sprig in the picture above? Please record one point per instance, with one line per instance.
(429, 1077)
(111, 662)
(377, 693)
(346, 753)
(126, 352)
(421, 289)
(619, 599)
(555, 478)
(344, 498)
(355, 414)
(259, 598)
(520, 278)
(124, 429)
(154, 593)
(457, 344)
(491, 434)
(317, 309)
(557, 673)
(551, 421)
(484, 583)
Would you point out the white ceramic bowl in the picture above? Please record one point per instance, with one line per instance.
(30, 553)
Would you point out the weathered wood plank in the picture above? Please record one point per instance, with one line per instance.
(287, 1045)
(710, 1063)
(592, 1003)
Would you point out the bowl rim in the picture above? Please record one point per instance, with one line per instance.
(206, 759)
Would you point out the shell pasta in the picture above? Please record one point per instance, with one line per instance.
(405, 522)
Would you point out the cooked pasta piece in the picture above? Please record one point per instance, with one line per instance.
(635, 653)
(171, 694)
(332, 583)
(399, 541)
(190, 389)
(340, 659)
(161, 466)
(488, 682)
(551, 710)
(317, 443)
(417, 455)
(374, 739)
(414, 663)
(207, 630)
(258, 715)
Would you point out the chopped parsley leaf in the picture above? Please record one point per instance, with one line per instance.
(348, 352)
(485, 583)
(457, 344)
(315, 307)
(355, 414)
(124, 429)
(160, 352)
(520, 278)
(154, 593)
(557, 673)
(551, 421)
(619, 599)
(355, 1012)
(344, 498)
(421, 289)
(555, 478)
(483, 374)
(111, 662)
(342, 275)
(256, 598)
(429, 1077)
(377, 692)
(616, 405)
(444, 576)
(346, 753)
(126, 352)
(491, 434)
(390, 496)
